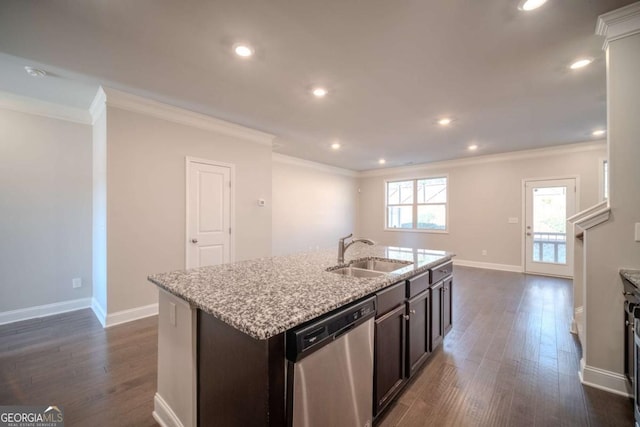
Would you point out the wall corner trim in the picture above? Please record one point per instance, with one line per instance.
(163, 413)
(98, 105)
(619, 23)
(43, 310)
(27, 105)
(488, 265)
(124, 316)
(590, 217)
(99, 311)
(611, 382)
(138, 104)
(281, 158)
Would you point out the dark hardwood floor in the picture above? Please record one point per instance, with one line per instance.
(509, 361)
(99, 377)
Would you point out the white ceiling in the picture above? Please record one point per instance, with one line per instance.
(392, 68)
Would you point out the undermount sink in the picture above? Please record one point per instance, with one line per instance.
(380, 265)
(370, 268)
(356, 272)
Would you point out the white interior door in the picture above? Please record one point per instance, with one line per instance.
(208, 213)
(548, 247)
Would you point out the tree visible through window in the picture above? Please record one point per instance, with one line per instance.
(417, 204)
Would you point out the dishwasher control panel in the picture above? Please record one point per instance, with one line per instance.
(308, 338)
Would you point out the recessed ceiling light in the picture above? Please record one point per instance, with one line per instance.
(35, 72)
(473, 147)
(382, 161)
(528, 5)
(319, 92)
(445, 121)
(598, 132)
(581, 63)
(243, 50)
(335, 146)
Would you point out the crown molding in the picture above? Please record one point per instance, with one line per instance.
(24, 104)
(619, 23)
(281, 158)
(98, 105)
(138, 104)
(489, 158)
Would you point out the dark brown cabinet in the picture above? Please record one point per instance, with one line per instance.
(437, 330)
(447, 303)
(412, 319)
(389, 361)
(418, 330)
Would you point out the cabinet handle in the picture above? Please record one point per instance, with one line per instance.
(406, 317)
(412, 311)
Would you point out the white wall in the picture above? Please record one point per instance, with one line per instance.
(611, 246)
(483, 193)
(45, 210)
(146, 198)
(313, 205)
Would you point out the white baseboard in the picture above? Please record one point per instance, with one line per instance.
(604, 380)
(125, 316)
(99, 311)
(488, 265)
(163, 413)
(43, 310)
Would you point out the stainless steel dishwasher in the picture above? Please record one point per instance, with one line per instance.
(330, 369)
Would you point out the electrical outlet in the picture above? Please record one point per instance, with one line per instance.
(484, 252)
(76, 283)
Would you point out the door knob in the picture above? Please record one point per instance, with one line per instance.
(194, 240)
(412, 311)
(528, 234)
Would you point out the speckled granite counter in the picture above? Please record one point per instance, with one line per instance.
(267, 296)
(632, 275)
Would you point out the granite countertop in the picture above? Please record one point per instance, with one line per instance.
(267, 296)
(632, 275)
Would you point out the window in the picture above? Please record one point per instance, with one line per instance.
(417, 204)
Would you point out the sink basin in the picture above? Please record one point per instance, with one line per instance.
(356, 272)
(380, 265)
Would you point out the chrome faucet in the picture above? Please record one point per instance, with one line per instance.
(342, 247)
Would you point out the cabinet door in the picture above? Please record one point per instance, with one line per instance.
(447, 305)
(389, 370)
(418, 329)
(437, 331)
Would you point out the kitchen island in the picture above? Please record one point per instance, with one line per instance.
(222, 328)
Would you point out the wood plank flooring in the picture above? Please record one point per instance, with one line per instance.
(509, 361)
(100, 377)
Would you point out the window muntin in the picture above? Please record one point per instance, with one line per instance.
(417, 204)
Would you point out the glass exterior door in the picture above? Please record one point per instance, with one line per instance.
(548, 244)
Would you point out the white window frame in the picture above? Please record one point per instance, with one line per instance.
(415, 205)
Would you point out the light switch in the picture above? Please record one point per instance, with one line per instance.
(172, 314)
(513, 220)
(637, 231)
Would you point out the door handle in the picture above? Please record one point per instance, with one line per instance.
(528, 234)
(194, 240)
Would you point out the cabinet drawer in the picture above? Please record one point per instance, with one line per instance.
(417, 284)
(389, 298)
(441, 271)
